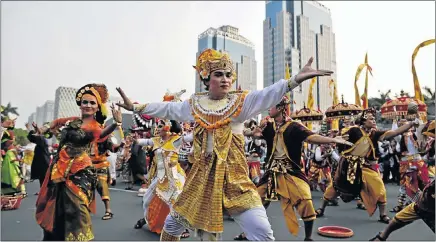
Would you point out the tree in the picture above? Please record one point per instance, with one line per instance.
(377, 102)
(21, 137)
(429, 99)
(9, 109)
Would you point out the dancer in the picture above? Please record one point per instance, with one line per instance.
(64, 202)
(413, 170)
(166, 176)
(429, 132)
(218, 179)
(12, 182)
(284, 175)
(41, 157)
(319, 173)
(423, 209)
(356, 172)
(253, 153)
(99, 155)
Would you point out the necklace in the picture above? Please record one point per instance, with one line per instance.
(213, 114)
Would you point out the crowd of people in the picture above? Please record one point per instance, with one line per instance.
(206, 157)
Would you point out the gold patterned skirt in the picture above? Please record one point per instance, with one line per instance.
(63, 208)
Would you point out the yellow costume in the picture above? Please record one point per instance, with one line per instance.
(219, 176)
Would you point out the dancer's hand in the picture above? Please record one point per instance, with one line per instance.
(116, 114)
(127, 105)
(339, 140)
(308, 72)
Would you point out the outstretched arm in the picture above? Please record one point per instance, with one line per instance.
(392, 133)
(179, 111)
(318, 139)
(258, 101)
(262, 100)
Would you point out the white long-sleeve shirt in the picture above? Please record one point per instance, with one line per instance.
(254, 103)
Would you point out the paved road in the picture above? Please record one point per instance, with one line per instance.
(20, 224)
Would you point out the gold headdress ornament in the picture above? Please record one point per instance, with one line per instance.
(364, 115)
(99, 91)
(211, 60)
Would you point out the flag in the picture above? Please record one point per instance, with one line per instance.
(417, 87)
(334, 123)
(287, 77)
(310, 99)
(365, 92)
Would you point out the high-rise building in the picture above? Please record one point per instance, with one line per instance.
(241, 50)
(32, 118)
(39, 116)
(65, 103)
(294, 31)
(48, 111)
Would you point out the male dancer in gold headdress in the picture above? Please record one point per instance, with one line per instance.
(357, 172)
(284, 175)
(218, 179)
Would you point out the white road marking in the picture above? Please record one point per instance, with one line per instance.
(122, 190)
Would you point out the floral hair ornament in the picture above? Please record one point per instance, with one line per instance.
(99, 91)
(211, 60)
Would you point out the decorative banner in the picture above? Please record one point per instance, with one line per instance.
(356, 89)
(334, 123)
(365, 92)
(310, 99)
(287, 77)
(418, 94)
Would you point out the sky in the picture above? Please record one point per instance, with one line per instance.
(149, 47)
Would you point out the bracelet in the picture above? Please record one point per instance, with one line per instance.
(119, 123)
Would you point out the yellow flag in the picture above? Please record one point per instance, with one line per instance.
(356, 89)
(365, 92)
(335, 122)
(310, 100)
(417, 87)
(287, 77)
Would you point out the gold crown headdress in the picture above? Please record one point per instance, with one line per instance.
(211, 60)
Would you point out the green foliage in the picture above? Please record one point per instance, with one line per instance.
(21, 137)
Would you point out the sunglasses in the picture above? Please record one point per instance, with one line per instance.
(85, 102)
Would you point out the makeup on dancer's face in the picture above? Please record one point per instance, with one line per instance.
(88, 104)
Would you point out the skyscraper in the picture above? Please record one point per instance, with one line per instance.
(294, 31)
(241, 50)
(65, 103)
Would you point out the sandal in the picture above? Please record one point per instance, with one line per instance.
(361, 206)
(140, 223)
(107, 216)
(384, 219)
(319, 212)
(377, 238)
(240, 237)
(185, 234)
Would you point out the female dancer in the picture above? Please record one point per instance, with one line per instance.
(64, 202)
(166, 175)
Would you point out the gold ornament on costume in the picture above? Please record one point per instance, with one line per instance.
(213, 114)
(211, 60)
